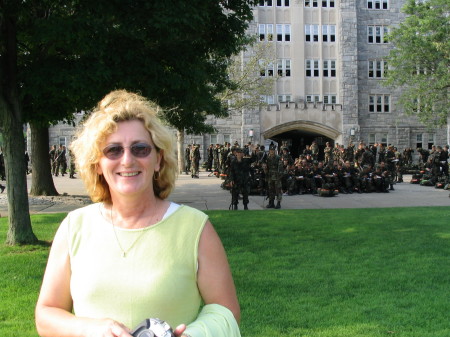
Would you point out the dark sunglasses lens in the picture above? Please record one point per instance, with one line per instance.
(113, 152)
(141, 150)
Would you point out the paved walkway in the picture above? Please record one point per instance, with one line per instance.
(205, 194)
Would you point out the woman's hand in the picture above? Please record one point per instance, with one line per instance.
(179, 330)
(107, 328)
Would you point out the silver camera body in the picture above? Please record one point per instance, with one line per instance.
(153, 327)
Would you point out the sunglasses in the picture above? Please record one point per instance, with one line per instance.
(138, 150)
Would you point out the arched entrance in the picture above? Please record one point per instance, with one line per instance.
(298, 134)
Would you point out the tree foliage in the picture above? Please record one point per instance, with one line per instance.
(61, 57)
(420, 61)
(174, 52)
(244, 72)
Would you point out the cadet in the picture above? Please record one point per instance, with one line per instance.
(240, 178)
(72, 165)
(187, 159)
(328, 151)
(274, 172)
(52, 155)
(195, 160)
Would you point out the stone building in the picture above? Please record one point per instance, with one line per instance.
(331, 58)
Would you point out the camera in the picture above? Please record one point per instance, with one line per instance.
(153, 327)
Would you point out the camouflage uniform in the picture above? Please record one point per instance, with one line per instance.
(195, 160)
(328, 151)
(240, 178)
(72, 165)
(274, 172)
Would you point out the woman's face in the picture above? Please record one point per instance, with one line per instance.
(129, 175)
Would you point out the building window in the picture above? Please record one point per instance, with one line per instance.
(328, 3)
(283, 33)
(269, 99)
(266, 69)
(377, 4)
(377, 68)
(372, 138)
(312, 68)
(377, 34)
(329, 99)
(284, 98)
(329, 33)
(270, 69)
(267, 3)
(311, 3)
(329, 68)
(379, 103)
(284, 67)
(63, 141)
(312, 98)
(284, 3)
(383, 139)
(213, 139)
(431, 140)
(266, 32)
(312, 33)
(227, 138)
(419, 140)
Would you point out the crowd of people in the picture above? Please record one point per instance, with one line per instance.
(323, 171)
(58, 161)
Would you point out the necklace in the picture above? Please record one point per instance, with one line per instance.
(124, 251)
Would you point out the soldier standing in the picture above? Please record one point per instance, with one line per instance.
(390, 165)
(195, 160)
(72, 165)
(216, 154)
(187, 159)
(328, 151)
(52, 155)
(209, 163)
(63, 161)
(314, 150)
(273, 177)
(240, 178)
(60, 154)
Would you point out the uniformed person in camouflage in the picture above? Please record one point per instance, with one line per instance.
(274, 167)
(240, 178)
(195, 160)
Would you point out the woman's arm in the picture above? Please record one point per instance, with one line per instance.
(214, 276)
(54, 307)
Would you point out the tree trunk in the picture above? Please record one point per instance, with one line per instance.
(180, 150)
(11, 124)
(41, 179)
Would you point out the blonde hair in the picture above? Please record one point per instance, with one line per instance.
(119, 106)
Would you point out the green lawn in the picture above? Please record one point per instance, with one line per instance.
(315, 273)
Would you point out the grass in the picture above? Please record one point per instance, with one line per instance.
(308, 273)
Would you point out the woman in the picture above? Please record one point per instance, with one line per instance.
(132, 254)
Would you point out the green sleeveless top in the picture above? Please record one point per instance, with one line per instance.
(156, 278)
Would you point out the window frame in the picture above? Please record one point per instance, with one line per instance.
(380, 103)
(377, 34)
(329, 68)
(377, 68)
